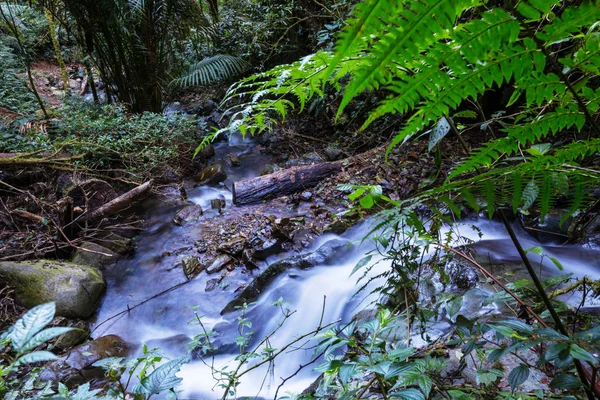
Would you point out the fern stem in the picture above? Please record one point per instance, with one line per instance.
(548, 303)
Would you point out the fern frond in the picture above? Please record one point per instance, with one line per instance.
(570, 22)
(211, 70)
(421, 21)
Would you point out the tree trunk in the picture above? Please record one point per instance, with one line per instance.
(281, 183)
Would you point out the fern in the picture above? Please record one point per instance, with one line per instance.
(430, 59)
(211, 70)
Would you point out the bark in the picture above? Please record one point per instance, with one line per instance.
(281, 183)
(121, 202)
(27, 215)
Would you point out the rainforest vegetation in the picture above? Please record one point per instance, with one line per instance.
(299, 199)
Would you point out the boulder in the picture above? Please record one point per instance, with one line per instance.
(323, 255)
(94, 255)
(76, 367)
(211, 175)
(461, 274)
(189, 213)
(74, 288)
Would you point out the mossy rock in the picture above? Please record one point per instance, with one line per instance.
(76, 289)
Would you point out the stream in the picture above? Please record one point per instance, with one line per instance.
(323, 293)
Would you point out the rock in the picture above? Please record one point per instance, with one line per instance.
(211, 175)
(172, 194)
(306, 196)
(218, 264)
(267, 248)
(333, 153)
(217, 204)
(232, 160)
(192, 266)
(94, 255)
(74, 337)
(74, 288)
(464, 276)
(338, 226)
(211, 284)
(76, 366)
(233, 247)
(550, 229)
(116, 243)
(323, 255)
(189, 213)
(206, 153)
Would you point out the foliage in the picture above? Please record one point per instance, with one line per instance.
(143, 145)
(212, 70)
(14, 93)
(24, 337)
(466, 50)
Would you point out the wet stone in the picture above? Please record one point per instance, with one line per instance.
(188, 214)
(191, 266)
(233, 247)
(306, 196)
(267, 249)
(217, 204)
(232, 160)
(211, 175)
(218, 264)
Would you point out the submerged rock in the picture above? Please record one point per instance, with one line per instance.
(116, 243)
(189, 213)
(74, 288)
(323, 255)
(212, 174)
(94, 255)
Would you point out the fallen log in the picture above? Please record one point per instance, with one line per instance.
(282, 183)
(121, 202)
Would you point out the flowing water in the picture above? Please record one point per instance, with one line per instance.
(322, 294)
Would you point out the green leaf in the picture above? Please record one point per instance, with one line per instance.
(517, 376)
(44, 336)
(31, 323)
(536, 250)
(557, 263)
(363, 261)
(164, 378)
(401, 354)
(367, 201)
(580, 354)
(347, 371)
(408, 394)
(565, 381)
(438, 132)
(36, 357)
(485, 378)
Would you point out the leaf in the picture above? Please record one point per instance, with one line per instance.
(367, 201)
(536, 250)
(401, 354)
(565, 381)
(440, 131)
(44, 336)
(36, 357)
(517, 376)
(363, 261)
(31, 323)
(557, 263)
(408, 394)
(580, 354)
(487, 377)
(347, 371)
(164, 378)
